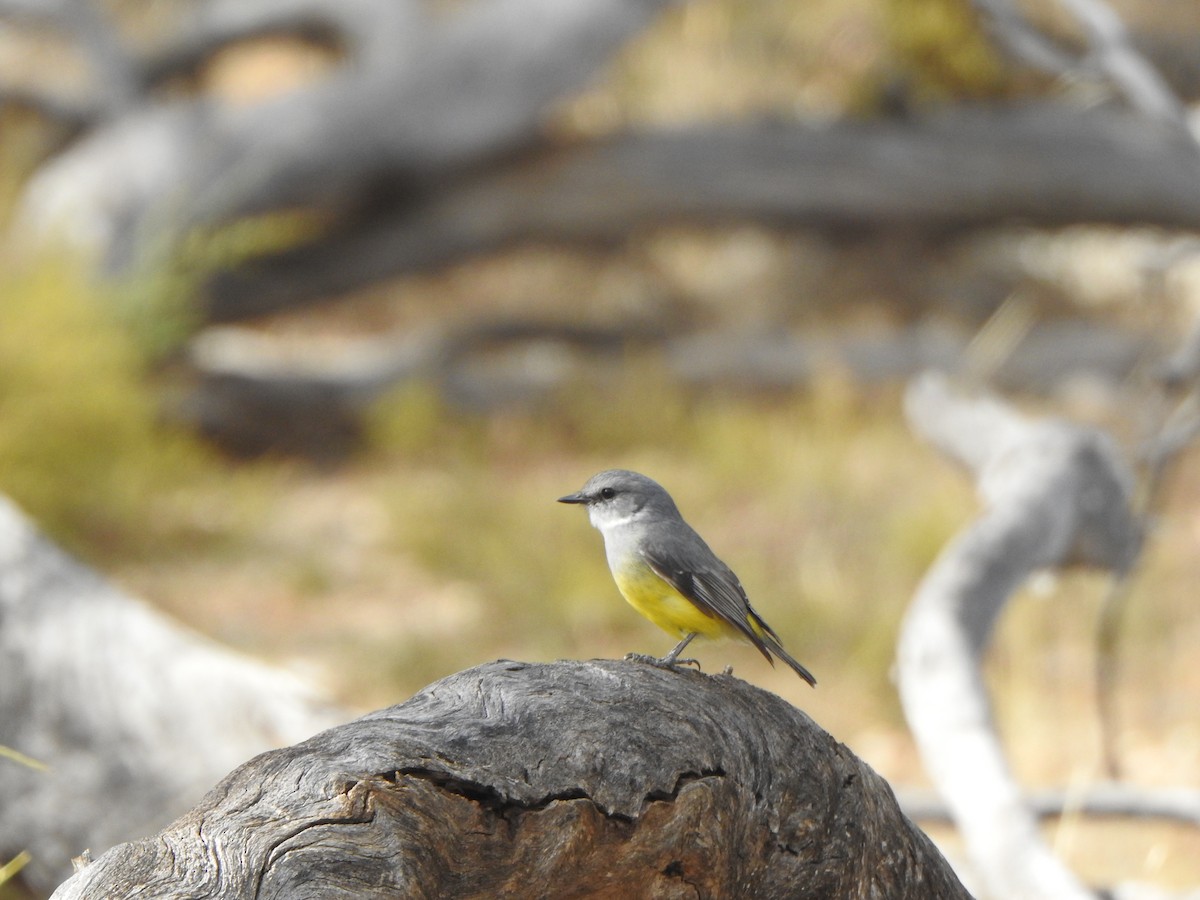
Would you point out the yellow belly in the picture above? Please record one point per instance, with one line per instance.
(664, 606)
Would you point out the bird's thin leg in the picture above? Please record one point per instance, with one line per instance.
(672, 658)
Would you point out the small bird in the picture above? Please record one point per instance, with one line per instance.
(666, 571)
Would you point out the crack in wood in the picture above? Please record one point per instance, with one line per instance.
(504, 806)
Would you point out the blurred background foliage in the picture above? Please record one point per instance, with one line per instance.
(438, 544)
(81, 446)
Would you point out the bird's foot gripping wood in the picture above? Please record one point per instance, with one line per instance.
(667, 662)
(671, 660)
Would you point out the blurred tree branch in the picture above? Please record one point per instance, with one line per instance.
(133, 715)
(423, 144)
(961, 169)
(1116, 801)
(1110, 52)
(250, 399)
(423, 97)
(1054, 494)
(1174, 430)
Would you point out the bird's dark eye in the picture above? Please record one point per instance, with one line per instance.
(607, 493)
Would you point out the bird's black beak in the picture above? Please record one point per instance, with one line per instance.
(577, 497)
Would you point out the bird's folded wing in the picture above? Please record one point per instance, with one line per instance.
(715, 591)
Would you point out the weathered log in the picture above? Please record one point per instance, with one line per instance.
(425, 96)
(1048, 166)
(134, 715)
(424, 146)
(1055, 494)
(569, 779)
(251, 399)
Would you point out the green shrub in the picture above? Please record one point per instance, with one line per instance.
(82, 449)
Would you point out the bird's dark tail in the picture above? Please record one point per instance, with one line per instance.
(775, 647)
(767, 642)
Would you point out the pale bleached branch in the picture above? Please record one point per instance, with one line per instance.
(1054, 494)
(1110, 52)
(1180, 805)
(134, 715)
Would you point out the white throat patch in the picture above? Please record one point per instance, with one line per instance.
(607, 518)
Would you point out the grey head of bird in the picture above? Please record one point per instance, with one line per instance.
(617, 497)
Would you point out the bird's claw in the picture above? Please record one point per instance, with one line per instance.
(663, 663)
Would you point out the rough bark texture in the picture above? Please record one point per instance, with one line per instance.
(1055, 494)
(571, 779)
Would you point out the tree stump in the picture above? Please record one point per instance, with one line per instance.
(568, 779)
